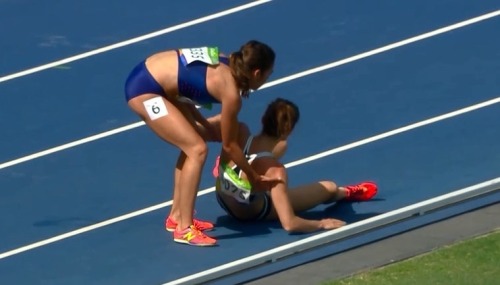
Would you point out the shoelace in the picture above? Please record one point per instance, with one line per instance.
(197, 232)
(354, 190)
(197, 224)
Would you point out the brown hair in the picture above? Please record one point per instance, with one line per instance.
(280, 118)
(252, 56)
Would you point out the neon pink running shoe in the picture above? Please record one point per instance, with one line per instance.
(215, 170)
(361, 192)
(193, 236)
(171, 225)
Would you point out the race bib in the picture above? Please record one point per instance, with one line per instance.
(208, 55)
(155, 107)
(234, 186)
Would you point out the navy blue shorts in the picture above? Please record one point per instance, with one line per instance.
(140, 82)
(262, 215)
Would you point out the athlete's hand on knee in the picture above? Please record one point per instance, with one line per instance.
(330, 224)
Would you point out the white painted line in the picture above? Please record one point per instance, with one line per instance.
(134, 40)
(267, 85)
(396, 131)
(288, 165)
(70, 145)
(84, 229)
(386, 48)
(340, 233)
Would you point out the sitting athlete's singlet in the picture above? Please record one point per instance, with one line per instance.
(231, 183)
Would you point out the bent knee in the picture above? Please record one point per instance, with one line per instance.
(330, 186)
(197, 152)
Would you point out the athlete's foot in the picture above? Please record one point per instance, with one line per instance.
(193, 236)
(171, 225)
(361, 192)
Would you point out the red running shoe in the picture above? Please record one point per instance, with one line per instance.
(171, 225)
(193, 236)
(361, 192)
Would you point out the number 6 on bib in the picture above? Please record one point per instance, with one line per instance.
(155, 107)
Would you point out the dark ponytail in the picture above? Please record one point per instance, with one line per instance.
(252, 56)
(280, 118)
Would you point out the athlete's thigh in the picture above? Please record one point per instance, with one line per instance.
(167, 121)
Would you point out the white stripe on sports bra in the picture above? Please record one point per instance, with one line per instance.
(233, 186)
(252, 157)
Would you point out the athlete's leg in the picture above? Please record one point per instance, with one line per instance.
(175, 214)
(213, 136)
(311, 195)
(176, 128)
(207, 136)
(174, 211)
(308, 196)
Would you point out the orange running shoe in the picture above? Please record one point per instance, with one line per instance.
(193, 236)
(361, 192)
(170, 225)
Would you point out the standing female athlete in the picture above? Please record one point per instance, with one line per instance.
(164, 90)
(263, 152)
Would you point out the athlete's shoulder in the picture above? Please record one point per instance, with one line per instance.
(273, 167)
(223, 84)
(280, 148)
(267, 165)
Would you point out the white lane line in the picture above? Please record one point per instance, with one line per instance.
(387, 47)
(396, 131)
(84, 229)
(288, 165)
(267, 85)
(134, 40)
(70, 145)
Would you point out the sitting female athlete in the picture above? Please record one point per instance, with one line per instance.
(263, 151)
